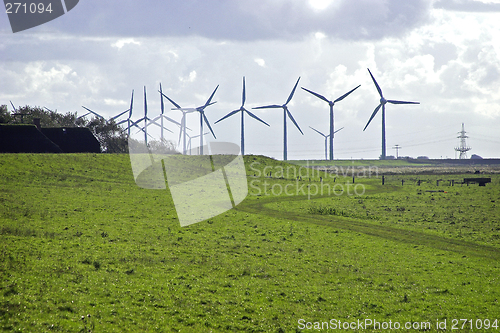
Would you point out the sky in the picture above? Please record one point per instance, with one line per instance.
(441, 53)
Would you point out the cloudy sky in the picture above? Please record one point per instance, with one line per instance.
(442, 53)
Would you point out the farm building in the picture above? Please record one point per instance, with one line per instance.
(33, 139)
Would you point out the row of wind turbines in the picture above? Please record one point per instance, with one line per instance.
(203, 119)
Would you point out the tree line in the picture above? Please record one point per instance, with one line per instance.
(112, 137)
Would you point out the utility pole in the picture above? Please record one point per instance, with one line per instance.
(463, 149)
(397, 147)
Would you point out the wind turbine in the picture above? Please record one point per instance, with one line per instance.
(382, 104)
(90, 111)
(162, 116)
(242, 110)
(17, 112)
(331, 103)
(192, 137)
(145, 118)
(183, 121)
(285, 113)
(203, 118)
(128, 110)
(129, 118)
(326, 139)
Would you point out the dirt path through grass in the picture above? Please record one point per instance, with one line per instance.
(261, 205)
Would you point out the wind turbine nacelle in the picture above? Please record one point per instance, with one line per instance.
(383, 101)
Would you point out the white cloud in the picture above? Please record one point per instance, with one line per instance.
(320, 4)
(114, 102)
(124, 41)
(190, 78)
(261, 62)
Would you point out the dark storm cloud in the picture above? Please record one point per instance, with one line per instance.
(245, 20)
(467, 6)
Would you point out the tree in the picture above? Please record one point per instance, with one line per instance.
(5, 116)
(48, 118)
(112, 137)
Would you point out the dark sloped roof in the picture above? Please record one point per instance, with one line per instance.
(25, 139)
(73, 139)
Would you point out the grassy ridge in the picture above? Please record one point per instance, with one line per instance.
(78, 238)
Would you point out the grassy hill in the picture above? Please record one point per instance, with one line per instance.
(82, 248)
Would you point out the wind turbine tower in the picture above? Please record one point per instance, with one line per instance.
(382, 104)
(203, 117)
(326, 139)
(286, 113)
(463, 149)
(331, 103)
(242, 110)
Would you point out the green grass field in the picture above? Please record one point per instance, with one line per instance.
(83, 249)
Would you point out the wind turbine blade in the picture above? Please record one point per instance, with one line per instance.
(142, 130)
(121, 114)
(376, 84)
(193, 137)
(401, 102)
(293, 120)
(131, 104)
(269, 107)
(13, 106)
(134, 123)
(345, 95)
(153, 121)
(172, 120)
(162, 106)
(244, 97)
(171, 101)
(211, 96)
(208, 124)
(338, 130)
(228, 115)
(145, 104)
(293, 92)
(183, 121)
(373, 115)
(185, 109)
(94, 113)
(317, 95)
(84, 115)
(254, 116)
(319, 132)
